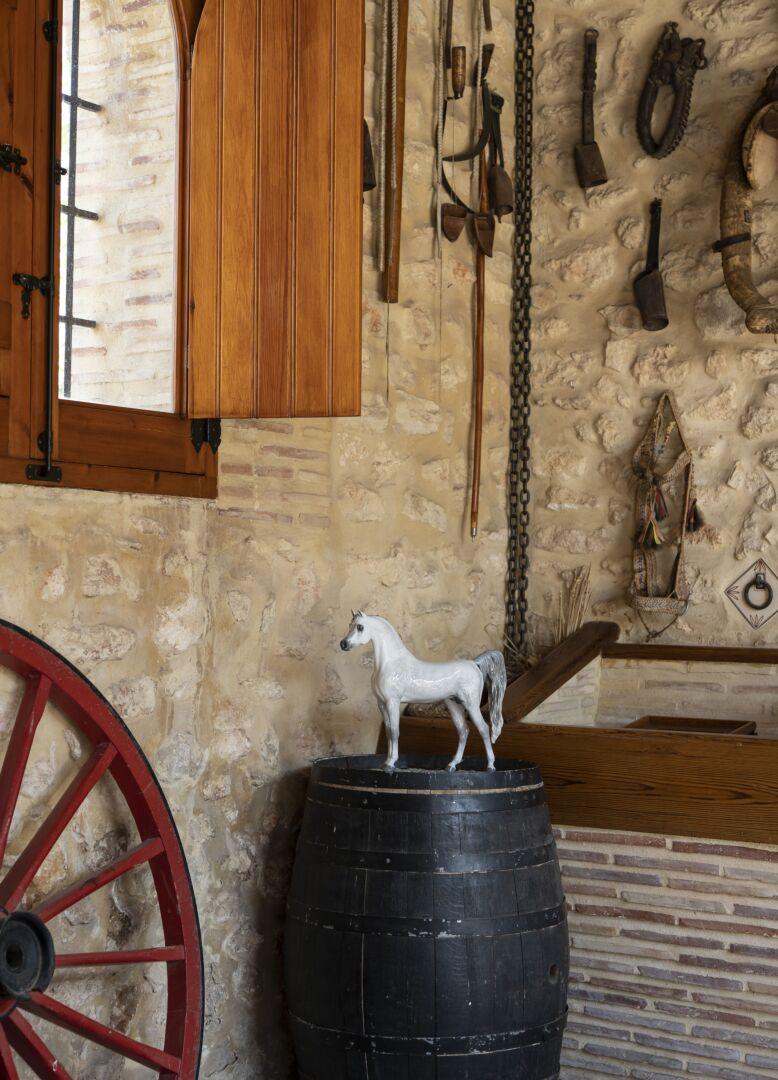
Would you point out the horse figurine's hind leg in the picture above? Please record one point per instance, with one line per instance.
(460, 723)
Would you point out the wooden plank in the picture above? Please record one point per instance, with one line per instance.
(239, 107)
(708, 786)
(276, 207)
(37, 358)
(103, 478)
(314, 207)
(22, 92)
(7, 27)
(7, 180)
(696, 654)
(557, 668)
(127, 438)
(347, 215)
(204, 216)
(189, 13)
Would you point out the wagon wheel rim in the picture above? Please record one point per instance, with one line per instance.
(50, 679)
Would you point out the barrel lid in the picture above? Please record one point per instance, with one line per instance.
(425, 772)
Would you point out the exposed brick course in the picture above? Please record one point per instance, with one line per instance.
(651, 996)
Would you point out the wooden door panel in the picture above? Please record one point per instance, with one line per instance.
(18, 39)
(347, 213)
(239, 122)
(314, 209)
(276, 177)
(204, 216)
(276, 158)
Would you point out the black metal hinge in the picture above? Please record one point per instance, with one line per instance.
(11, 159)
(51, 474)
(29, 284)
(51, 31)
(206, 431)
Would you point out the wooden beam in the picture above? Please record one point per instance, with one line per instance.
(696, 654)
(394, 191)
(558, 667)
(709, 786)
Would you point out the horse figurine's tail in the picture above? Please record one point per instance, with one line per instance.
(492, 666)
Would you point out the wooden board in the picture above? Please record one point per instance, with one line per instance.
(557, 668)
(276, 210)
(696, 654)
(716, 787)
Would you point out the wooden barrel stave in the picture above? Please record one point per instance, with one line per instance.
(428, 941)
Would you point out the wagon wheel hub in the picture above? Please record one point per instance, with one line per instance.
(26, 955)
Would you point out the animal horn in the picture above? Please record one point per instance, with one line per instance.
(353, 614)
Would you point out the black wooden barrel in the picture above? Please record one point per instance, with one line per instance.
(426, 935)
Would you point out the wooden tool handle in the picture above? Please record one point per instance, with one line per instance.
(480, 295)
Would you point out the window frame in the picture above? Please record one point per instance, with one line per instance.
(98, 447)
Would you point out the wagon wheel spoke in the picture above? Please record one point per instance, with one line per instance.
(18, 752)
(29, 862)
(169, 955)
(7, 1067)
(78, 1024)
(90, 883)
(32, 1050)
(24, 989)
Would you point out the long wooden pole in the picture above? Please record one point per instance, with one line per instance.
(480, 316)
(393, 163)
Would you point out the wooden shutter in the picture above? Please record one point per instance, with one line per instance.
(276, 209)
(20, 32)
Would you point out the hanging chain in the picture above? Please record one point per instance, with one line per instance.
(521, 363)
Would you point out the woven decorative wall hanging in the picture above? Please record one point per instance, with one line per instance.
(662, 482)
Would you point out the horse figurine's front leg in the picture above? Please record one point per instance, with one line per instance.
(390, 710)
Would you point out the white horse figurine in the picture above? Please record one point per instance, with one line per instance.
(399, 679)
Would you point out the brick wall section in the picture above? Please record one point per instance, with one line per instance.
(720, 691)
(576, 702)
(674, 957)
(125, 262)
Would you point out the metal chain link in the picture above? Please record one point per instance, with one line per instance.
(521, 363)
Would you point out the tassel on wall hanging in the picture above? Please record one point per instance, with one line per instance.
(663, 483)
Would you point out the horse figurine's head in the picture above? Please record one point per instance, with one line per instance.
(358, 632)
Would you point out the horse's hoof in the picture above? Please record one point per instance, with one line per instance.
(389, 766)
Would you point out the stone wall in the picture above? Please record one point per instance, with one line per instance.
(213, 627)
(597, 373)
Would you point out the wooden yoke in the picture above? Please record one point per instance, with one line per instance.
(740, 179)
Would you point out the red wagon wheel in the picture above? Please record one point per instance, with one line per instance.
(29, 959)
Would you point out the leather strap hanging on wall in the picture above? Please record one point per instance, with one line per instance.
(675, 64)
(651, 512)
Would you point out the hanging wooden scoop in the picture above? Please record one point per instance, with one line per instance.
(649, 287)
(588, 158)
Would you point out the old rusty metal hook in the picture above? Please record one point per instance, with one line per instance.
(675, 64)
(740, 178)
